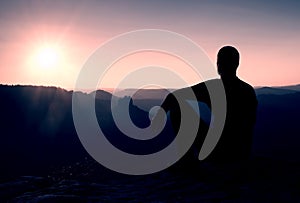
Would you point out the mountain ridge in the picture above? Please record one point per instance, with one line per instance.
(38, 132)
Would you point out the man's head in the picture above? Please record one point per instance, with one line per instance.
(228, 61)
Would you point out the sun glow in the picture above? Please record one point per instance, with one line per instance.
(49, 63)
(47, 57)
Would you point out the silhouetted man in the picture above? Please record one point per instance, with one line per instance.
(235, 141)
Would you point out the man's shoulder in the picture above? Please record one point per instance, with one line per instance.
(206, 83)
(248, 91)
(246, 85)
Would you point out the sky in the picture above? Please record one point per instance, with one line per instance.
(48, 42)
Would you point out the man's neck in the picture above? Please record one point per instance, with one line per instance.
(228, 77)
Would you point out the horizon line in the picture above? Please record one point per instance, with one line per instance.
(110, 89)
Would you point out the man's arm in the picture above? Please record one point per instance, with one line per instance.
(171, 104)
(158, 121)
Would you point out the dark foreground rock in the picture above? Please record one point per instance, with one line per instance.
(262, 181)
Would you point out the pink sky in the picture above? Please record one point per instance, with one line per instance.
(267, 36)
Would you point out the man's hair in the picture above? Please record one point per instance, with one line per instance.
(228, 57)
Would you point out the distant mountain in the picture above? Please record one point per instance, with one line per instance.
(38, 134)
(273, 90)
(144, 93)
(145, 99)
(101, 94)
(159, 94)
(277, 127)
(37, 131)
(291, 87)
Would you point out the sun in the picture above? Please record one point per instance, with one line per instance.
(47, 57)
(48, 63)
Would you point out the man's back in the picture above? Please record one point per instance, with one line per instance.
(236, 138)
(241, 103)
